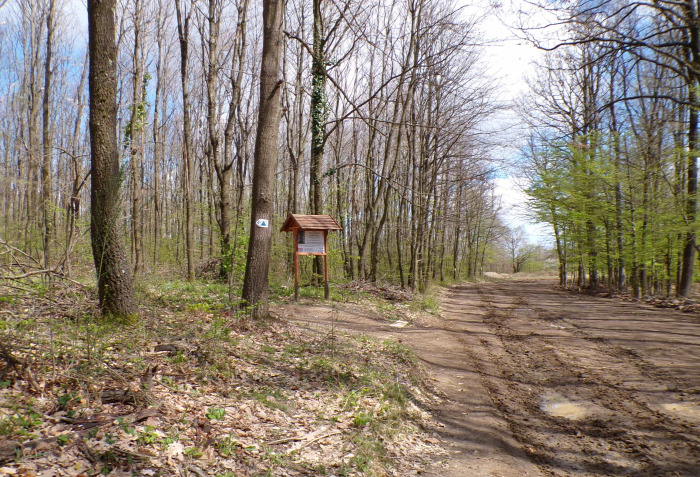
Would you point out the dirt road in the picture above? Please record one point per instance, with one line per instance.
(540, 382)
(586, 385)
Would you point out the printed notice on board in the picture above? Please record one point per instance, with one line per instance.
(310, 241)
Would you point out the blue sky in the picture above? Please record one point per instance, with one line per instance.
(511, 60)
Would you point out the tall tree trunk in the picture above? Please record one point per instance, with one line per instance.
(634, 276)
(73, 206)
(691, 201)
(183, 24)
(158, 135)
(138, 110)
(46, 183)
(458, 231)
(255, 285)
(114, 282)
(561, 252)
(617, 151)
(224, 172)
(34, 85)
(319, 111)
(296, 132)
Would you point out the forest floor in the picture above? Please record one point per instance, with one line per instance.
(197, 389)
(508, 377)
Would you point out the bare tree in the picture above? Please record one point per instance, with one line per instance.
(47, 212)
(134, 131)
(392, 114)
(518, 248)
(183, 30)
(159, 123)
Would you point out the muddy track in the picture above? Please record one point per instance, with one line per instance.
(577, 403)
(536, 381)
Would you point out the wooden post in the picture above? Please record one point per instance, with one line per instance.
(325, 262)
(296, 265)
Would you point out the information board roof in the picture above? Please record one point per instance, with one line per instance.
(310, 222)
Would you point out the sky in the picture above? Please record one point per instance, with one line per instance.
(511, 60)
(77, 9)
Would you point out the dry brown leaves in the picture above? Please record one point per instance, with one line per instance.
(387, 292)
(688, 305)
(199, 393)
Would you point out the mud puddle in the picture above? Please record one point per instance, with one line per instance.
(557, 405)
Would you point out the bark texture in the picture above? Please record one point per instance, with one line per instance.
(255, 286)
(115, 287)
(187, 150)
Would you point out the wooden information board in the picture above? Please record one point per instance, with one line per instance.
(310, 238)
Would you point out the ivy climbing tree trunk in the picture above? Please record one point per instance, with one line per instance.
(135, 126)
(318, 122)
(114, 282)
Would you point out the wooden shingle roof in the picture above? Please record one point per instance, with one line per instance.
(310, 222)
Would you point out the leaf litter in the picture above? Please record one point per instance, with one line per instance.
(205, 392)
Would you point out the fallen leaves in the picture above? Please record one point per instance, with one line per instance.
(194, 392)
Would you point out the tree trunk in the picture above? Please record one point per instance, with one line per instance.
(46, 183)
(319, 112)
(187, 150)
(33, 160)
(114, 282)
(617, 151)
(691, 201)
(158, 135)
(73, 206)
(135, 126)
(224, 172)
(255, 285)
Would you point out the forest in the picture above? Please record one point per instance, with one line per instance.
(151, 151)
(613, 149)
(382, 107)
(387, 113)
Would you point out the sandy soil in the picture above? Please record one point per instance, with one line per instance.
(537, 381)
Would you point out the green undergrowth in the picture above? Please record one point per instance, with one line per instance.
(195, 385)
(336, 293)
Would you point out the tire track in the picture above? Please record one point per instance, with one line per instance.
(554, 389)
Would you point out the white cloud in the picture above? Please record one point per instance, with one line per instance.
(511, 59)
(515, 213)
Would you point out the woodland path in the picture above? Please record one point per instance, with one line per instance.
(537, 381)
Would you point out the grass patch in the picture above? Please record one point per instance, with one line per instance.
(337, 293)
(181, 295)
(19, 423)
(427, 301)
(271, 398)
